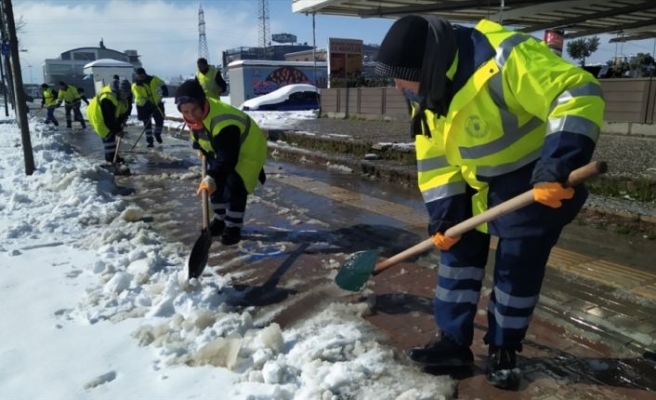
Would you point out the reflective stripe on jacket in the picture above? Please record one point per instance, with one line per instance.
(208, 82)
(497, 122)
(253, 150)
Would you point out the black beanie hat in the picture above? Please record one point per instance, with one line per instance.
(125, 87)
(401, 53)
(190, 92)
(44, 85)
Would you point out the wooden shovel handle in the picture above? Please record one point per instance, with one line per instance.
(591, 170)
(203, 195)
(118, 145)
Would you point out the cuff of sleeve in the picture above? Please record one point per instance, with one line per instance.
(550, 171)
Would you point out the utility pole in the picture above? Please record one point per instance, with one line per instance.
(202, 38)
(263, 27)
(19, 93)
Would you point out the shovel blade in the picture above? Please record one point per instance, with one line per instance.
(356, 270)
(199, 254)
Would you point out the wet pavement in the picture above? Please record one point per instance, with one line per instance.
(592, 336)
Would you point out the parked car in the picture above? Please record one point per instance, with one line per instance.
(295, 97)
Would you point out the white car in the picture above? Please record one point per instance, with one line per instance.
(295, 97)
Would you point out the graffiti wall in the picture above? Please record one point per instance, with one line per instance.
(253, 78)
(267, 79)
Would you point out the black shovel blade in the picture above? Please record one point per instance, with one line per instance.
(199, 254)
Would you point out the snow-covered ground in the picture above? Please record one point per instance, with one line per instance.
(95, 305)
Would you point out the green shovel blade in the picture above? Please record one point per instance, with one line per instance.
(356, 270)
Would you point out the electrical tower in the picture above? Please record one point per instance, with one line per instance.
(202, 39)
(263, 32)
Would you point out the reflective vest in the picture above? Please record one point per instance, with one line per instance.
(497, 122)
(208, 82)
(69, 95)
(49, 97)
(253, 150)
(94, 112)
(147, 91)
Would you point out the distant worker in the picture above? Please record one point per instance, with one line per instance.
(107, 114)
(235, 149)
(72, 99)
(116, 83)
(210, 80)
(49, 100)
(148, 91)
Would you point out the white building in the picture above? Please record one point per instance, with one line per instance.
(101, 72)
(69, 67)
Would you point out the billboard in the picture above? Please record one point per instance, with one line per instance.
(283, 38)
(344, 61)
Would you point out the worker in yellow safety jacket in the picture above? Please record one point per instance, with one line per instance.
(49, 100)
(108, 112)
(210, 79)
(495, 113)
(235, 149)
(72, 99)
(148, 92)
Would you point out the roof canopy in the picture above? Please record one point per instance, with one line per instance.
(630, 19)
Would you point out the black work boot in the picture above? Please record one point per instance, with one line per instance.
(158, 138)
(231, 235)
(501, 368)
(442, 352)
(216, 227)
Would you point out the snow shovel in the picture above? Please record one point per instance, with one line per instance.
(358, 267)
(138, 139)
(200, 252)
(116, 168)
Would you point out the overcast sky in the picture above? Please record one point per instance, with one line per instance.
(165, 33)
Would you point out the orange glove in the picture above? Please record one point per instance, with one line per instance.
(444, 242)
(551, 194)
(208, 185)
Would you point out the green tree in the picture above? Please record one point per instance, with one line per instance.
(580, 49)
(643, 63)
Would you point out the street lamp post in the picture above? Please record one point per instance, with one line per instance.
(28, 64)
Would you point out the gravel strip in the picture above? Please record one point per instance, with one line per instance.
(632, 156)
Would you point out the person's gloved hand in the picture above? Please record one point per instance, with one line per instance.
(551, 194)
(200, 154)
(208, 185)
(120, 134)
(444, 242)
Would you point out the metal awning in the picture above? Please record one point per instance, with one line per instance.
(629, 19)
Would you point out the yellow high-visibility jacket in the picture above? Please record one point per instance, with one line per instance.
(208, 82)
(148, 91)
(521, 106)
(95, 115)
(253, 149)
